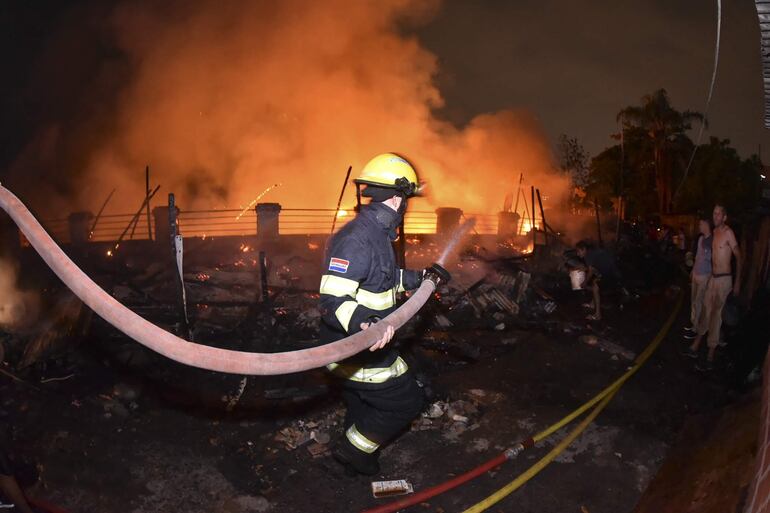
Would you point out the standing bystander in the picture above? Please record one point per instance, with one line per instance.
(719, 287)
(699, 276)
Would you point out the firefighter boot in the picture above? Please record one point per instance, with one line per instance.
(354, 460)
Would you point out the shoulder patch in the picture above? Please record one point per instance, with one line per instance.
(339, 265)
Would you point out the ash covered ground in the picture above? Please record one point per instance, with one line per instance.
(502, 353)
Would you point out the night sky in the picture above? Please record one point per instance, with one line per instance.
(572, 64)
(575, 64)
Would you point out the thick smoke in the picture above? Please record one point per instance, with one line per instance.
(18, 309)
(226, 98)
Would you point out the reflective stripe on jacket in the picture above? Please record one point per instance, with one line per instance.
(360, 281)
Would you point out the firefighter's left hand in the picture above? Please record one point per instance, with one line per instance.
(437, 274)
(387, 337)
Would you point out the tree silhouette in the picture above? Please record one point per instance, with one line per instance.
(664, 128)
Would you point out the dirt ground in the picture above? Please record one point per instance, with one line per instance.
(148, 435)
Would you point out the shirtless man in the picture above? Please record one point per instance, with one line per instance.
(720, 286)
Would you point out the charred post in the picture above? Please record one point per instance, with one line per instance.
(147, 196)
(598, 222)
(263, 285)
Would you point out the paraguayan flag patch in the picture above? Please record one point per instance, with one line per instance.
(339, 265)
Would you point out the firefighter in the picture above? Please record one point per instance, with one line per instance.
(359, 287)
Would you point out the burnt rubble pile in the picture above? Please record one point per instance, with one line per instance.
(225, 307)
(498, 294)
(491, 299)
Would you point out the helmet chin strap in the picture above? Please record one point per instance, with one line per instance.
(402, 207)
(358, 197)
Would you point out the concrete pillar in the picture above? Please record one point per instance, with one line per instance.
(267, 220)
(80, 227)
(447, 220)
(507, 224)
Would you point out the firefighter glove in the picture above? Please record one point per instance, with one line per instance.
(437, 274)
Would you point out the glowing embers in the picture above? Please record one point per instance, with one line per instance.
(521, 244)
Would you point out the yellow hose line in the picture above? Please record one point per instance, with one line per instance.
(532, 471)
(640, 360)
(603, 398)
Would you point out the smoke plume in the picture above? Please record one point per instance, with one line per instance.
(18, 309)
(223, 99)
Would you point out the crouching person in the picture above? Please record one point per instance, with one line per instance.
(601, 272)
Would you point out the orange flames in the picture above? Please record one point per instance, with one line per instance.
(223, 102)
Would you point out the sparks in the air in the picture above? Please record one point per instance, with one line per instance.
(255, 200)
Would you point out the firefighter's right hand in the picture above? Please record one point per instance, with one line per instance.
(387, 337)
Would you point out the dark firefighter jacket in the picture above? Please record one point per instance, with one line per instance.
(359, 284)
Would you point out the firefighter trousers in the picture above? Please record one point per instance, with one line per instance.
(378, 412)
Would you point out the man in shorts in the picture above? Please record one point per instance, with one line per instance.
(724, 247)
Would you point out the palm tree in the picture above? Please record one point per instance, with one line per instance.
(664, 128)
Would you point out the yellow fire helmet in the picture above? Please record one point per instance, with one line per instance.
(391, 171)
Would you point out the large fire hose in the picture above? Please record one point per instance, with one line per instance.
(198, 355)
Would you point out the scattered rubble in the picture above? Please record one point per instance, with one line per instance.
(455, 417)
(309, 318)
(612, 348)
(479, 445)
(451, 344)
(442, 322)
(232, 400)
(381, 489)
(302, 432)
(126, 392)
(487, 295)
(246, 504)
(549, 307)
(318, 450)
